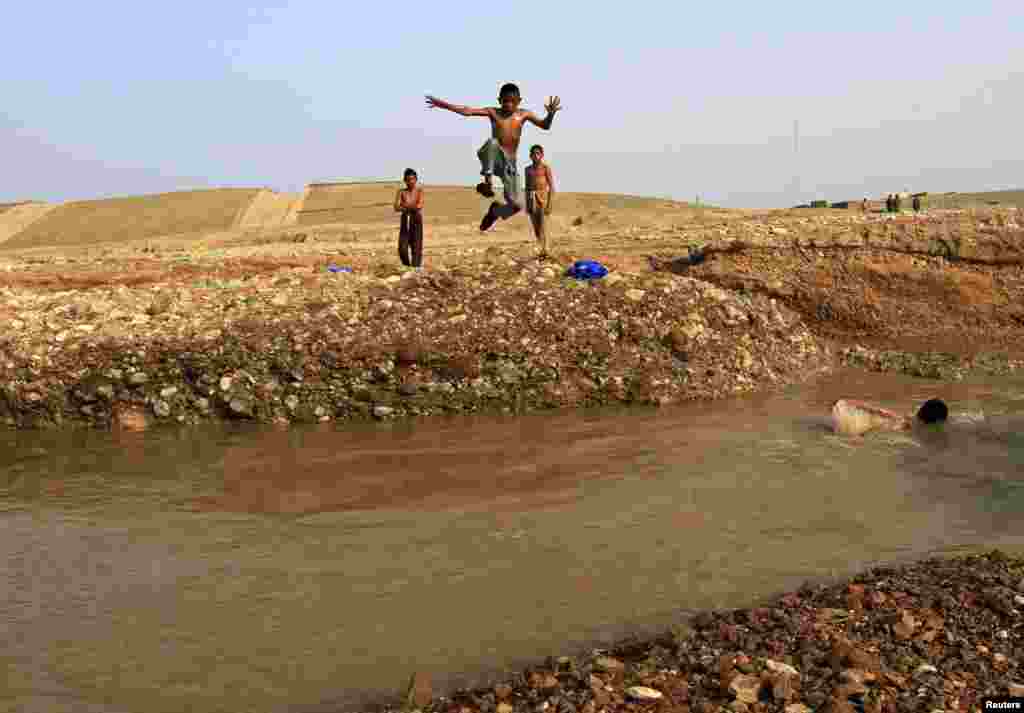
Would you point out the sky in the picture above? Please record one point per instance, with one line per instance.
(671, 99)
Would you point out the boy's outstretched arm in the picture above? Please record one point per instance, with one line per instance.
(435, 103)
(554, 105)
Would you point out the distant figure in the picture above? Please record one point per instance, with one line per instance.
(888, 203)
(409, 202)
(498, 154)
(864, 206)
(917, 204)
(540, 191)
(896, 200)
(855, 418)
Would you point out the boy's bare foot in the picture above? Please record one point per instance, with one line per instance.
(490, 218)
(485, 189)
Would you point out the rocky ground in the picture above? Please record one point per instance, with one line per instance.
(698, 304)
(937, 635)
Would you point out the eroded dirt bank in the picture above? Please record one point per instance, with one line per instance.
(698, 304)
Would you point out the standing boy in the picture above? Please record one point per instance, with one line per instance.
(498, 154)
(409, 202)
(540, 190)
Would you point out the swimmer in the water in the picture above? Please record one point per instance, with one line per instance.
(854, 418)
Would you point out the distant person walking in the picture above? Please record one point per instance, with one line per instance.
(409, 202)
(864, 206)
(896, 203)
(888, 203)
(917, 204)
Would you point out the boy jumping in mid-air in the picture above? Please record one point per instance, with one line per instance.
(498, 154)
(540, 190)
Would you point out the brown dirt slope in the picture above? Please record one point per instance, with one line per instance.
(977, 200)
(371, 203)
(135, 218)
(16, 217)
(270, 209)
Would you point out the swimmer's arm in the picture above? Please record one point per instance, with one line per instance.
(435, 103)
(419, 199)
(398, 201)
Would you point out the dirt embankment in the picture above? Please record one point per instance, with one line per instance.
(698, 304)
(305, 344)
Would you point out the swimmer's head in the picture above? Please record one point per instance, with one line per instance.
(933, 411)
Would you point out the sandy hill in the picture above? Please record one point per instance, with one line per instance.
(977, 200)
(364, 203)
(136, 217)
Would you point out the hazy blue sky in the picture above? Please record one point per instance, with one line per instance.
(664, 98)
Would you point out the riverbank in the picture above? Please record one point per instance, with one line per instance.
(698, 304)
(936, 635)
(304, 344)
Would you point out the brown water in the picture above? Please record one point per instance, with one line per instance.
(266, 570)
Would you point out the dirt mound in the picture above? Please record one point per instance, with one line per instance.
(16, 217)
(271, 209)
(134, 218)
(449, 205)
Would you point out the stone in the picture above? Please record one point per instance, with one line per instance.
(161, 408)
(746, 688)
(635, 295)
(408, 389)
(138, 379)
(779, 667)
(225, 383)
(291, 401)
(503, 691)
(643, 693)
(797, 708)
(168, 391)
(925, 669)
(1015, 689)
(504, 707)
(608, 664)
(420, 690)
(240, 406)
(383, 411)
(279, 301)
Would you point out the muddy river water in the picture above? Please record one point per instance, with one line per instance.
(244, 569)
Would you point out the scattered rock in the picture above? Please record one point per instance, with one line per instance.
(644, 694)
(746, 688)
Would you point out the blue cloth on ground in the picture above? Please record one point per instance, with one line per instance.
(587, 270)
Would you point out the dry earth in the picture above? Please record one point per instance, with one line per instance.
(248, 323)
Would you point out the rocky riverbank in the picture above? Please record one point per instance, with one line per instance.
(699, 304)
(937, 635)
(303, 344)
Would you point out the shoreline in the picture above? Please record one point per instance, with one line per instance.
(318, 347)
(919, 634)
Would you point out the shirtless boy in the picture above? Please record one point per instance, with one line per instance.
(409, 202)
(498, 154)
(540, 190)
